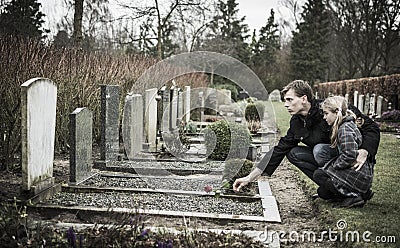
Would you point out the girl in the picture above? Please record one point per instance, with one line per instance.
(337, 180)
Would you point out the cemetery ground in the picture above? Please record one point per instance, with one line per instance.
(292, 191)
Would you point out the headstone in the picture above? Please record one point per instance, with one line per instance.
(151, 116)
(165, 112)
(180, 106)
(38, 122)
(186, 103)
(379, 106)
(132, 125)
(80, 153)
(224, 97)
(355, 99)
(366, 104)
(361, 103)
(372, 101)
(174, 107)
(275, 96)
(200, 102)
(211, 101)
(109, 123)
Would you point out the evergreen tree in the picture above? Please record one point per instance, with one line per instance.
(268, 43)
(309, 57)
(263, 60)
(23, 18)
(228, 32)
(147, 44)
(169, 47)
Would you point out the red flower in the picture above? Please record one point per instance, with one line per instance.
(208, 188)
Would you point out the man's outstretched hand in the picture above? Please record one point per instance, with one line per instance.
(240, 183)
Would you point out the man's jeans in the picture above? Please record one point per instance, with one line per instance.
(308, 160)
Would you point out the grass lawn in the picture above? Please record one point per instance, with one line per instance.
(379, 220)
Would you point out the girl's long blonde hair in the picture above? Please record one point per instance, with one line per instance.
(337, 104)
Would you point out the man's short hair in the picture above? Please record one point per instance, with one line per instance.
(300, 88)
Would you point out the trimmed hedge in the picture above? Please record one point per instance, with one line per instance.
(386, 86)
(254, 111)
(230, 139)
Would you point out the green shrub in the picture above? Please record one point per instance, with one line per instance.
(220, 135)
(254, 111)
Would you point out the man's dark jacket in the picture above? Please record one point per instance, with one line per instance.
(312, 130)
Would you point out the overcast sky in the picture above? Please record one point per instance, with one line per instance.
(256, 12)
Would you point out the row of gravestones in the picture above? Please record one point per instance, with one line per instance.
(39, 100)
(368, 104)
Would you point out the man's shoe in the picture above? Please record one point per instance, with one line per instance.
(352, 202)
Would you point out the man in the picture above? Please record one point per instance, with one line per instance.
(308, 126)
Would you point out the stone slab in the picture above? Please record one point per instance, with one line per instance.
(38, 121)
(132, 125)
(80, 159)
(109, 122)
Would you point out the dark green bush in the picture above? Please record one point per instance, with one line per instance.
(254, 111)
(231, 140)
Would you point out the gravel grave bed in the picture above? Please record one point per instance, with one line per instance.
(158, 201)
(209, 165)
(195, 184)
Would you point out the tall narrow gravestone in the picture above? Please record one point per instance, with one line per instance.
(372, 103)
(355, 101)
(173, 107)
(133, 125)
(379, 106)
(150, 118)
(366, 104)
(165, 112)
(186, 110)
(361, 103)
(180, 107)
(38, 122)
(109, 123)
(80, 153)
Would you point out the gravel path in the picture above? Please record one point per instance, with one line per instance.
(209, 165)
(159, 201)
(194, 184)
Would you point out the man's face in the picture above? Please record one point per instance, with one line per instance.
(293, 103)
